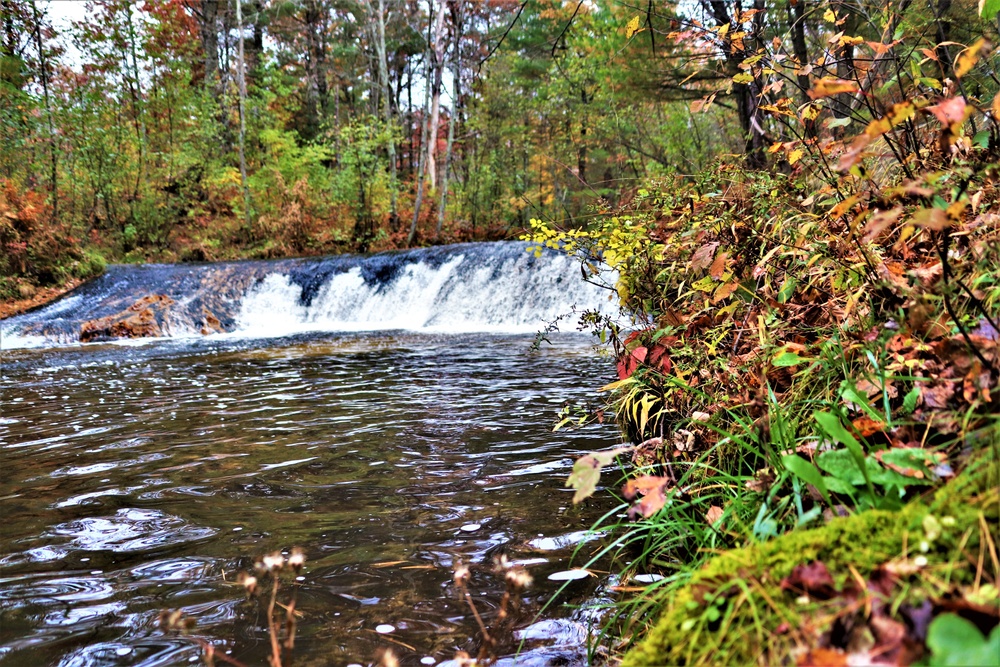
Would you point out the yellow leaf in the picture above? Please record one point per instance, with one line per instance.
(900, 112)
(829, 86)
(829, 16)
(846, 40)
(743, 77)
(968, 58)
(795, 156)
(632, 27)
(810, 112)
(931, 218)
(723, 30)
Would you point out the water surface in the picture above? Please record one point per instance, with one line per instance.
(139, 478)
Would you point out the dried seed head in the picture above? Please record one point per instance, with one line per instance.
(389, 659)
(297, 559)
(518, 579)
(249, 582)
(273, 562)
(502, 563)
(175, 621)
(461, 575)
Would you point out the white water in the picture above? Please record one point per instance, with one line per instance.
(456, 297)
(487, 288)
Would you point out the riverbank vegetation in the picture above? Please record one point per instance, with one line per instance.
(797, 202)
(809, 378)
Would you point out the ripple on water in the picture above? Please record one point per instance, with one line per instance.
(131, 530)
(148, 653)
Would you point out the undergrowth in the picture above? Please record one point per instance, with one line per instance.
(808, 354)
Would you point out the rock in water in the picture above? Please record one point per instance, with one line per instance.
(144, 318)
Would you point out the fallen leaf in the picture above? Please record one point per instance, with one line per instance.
(713, 514)
(653, 492)
(702, 257)
(930, 218)
(813, 579)
(867, 426)
(718, 267)
(823, 657)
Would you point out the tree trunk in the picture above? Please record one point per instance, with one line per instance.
(421, 169)
(54, 159)
(456, 61)
(383, 75)
(242, 81)
(208, 28)
(438, 66)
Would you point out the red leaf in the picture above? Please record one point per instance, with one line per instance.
(813, 579)
(702, 257)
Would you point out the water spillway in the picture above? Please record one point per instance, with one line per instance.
(465, 288)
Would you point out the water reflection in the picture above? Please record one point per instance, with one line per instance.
(138, 479)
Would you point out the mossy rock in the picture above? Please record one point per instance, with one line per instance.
(754, 621)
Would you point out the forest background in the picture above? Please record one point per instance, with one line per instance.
(216, 129)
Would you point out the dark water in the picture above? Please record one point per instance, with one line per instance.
(142, 478)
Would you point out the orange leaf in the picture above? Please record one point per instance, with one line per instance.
(867, 426)
(653, 494)
(725, 291)
(719, 266)
(713, 514)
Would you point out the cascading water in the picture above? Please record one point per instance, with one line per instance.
(475, 287)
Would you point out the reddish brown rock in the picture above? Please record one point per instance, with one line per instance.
(142, 319)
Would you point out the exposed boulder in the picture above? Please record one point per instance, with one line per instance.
(143, 319)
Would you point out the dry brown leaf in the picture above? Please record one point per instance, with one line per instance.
(718, 267)
(713, 515)
(702, 257)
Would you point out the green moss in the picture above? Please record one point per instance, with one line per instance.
(729, 611)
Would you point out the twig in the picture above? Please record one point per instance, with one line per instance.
(946, 270)
(502, 37)
(272, 631)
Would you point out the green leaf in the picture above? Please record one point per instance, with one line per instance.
(955, 641)
(587, 471)
(807, 472)
(839, 122)
(989, 8)
(788, 287)
(912, 458)
(850, 393)
(910, 401)
(787, 358)
(841, 464)
(835, 429)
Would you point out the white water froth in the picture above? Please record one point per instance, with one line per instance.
(455, 297)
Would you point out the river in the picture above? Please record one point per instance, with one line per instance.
(384, 414)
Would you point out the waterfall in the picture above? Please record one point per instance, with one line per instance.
(472, 287)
